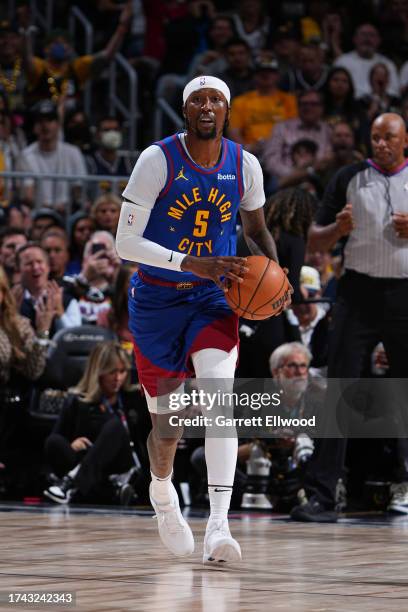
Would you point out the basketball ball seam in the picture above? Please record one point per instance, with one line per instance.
(272, 298)
(246, 309)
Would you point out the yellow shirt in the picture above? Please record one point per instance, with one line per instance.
(255, 115)
(80, 67)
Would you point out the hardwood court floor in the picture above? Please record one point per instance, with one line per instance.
(115, 562)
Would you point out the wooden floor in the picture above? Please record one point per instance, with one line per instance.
(114, 561)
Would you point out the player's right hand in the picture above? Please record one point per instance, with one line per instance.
(214, 268)
(344, 220)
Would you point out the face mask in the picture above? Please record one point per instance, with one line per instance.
(111, 139)
(58, 52)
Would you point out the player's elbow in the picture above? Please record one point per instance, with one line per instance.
(120, 247)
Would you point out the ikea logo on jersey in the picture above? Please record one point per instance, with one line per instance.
(226, 177)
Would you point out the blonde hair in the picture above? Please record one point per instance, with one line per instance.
(106, 198)
(9, 317)
(102, 360)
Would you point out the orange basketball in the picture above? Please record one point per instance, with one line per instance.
(262, 292)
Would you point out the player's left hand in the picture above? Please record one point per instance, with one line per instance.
(288, 297)
(400, 223)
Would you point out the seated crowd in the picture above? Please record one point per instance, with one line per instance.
(306, 84)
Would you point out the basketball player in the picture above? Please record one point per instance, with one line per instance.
(178, 222)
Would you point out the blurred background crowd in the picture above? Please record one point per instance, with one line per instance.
(84, 88)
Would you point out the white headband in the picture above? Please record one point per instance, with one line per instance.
(206, 82)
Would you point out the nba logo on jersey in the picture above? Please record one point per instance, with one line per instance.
(130, 219)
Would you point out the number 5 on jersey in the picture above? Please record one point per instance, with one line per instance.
(200, 224)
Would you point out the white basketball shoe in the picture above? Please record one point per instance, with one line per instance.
(219, 545)
(174, 531)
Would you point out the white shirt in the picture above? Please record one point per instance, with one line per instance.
(66, 160)
(359, 68)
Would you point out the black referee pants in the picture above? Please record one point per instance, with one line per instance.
(367, 310)
(110, 454)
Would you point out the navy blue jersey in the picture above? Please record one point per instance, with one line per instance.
(196, 210)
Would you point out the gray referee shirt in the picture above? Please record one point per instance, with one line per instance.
(372, 247)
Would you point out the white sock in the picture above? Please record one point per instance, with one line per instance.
(161, 488)
(74, 471)
(221, 459)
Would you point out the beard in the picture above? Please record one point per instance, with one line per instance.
(211, 135)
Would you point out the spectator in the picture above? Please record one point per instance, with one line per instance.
(42, 220)
(22, 360)
(288, 214)
(340, 105)
(309, 319)
(344, 152)
(310, 126)
(301, 397)
(55, 244)
(80, 228)
(60, 76)
(117, 317)
(308, 168)
(18, 215)
(285, 46)
(20, 348)
(186, 36)
(304, 157)
(378, 100)
(9, 153)
(364, 56)
(213, 60)
(38, 292)
(252, 24)
(11, 238)
(97, 277)
(91, 440)
(11, 64)
(49, 155)
(255, 114)
(311, 74)
(105, 213)
(238, 73)
(327, 264)
(105, 160)
(77, 130)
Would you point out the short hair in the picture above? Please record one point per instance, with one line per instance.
(5, 232)
(284, 350)
(29, 245)
(108, 118)
(304, 143)
(235, 41)
(55, 232)
(302, 94)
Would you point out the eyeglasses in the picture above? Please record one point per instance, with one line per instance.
(295, 366)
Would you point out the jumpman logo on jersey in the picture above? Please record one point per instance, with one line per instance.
(181, 175)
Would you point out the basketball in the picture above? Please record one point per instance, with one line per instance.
(262, 292)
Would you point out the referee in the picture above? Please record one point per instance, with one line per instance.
(365, 206)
